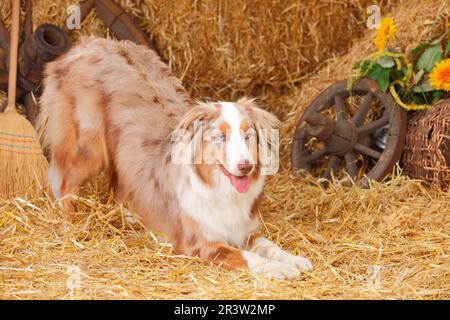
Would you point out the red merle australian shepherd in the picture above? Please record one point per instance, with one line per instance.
(193, 171)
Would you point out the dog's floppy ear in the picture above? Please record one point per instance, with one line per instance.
(264, 121)
(197, 116)
(188, 135)
(266, 125)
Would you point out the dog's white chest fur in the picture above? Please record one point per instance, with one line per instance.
(221, 213)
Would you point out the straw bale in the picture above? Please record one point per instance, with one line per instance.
(225, 49)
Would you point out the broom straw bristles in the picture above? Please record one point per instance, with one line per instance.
(22, 163)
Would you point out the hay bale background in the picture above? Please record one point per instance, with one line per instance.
(391, 241)
(225, 49)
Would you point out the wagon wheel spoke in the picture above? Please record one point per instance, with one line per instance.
(332, 165)
(361, 114)
(341, 109)
(28, 24)
(350, 161)
(315, 155)
(371, 127)
(367, 151)
(347, 135)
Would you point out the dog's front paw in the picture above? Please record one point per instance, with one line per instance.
(300, 263)
(270, 250)
(270, 268)
(276, 269)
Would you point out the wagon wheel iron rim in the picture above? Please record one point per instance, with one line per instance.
(347, 137)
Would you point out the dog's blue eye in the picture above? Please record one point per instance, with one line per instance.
(219, 137)
(249, 135)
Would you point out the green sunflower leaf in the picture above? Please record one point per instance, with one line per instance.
(380, 75)
(417, 51)
(419, 76)
(437, 95)
(429, 58)
(386, 61)
(423, 86)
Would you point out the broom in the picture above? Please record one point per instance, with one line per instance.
(22, 162)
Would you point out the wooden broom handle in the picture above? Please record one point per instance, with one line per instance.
(12, 80)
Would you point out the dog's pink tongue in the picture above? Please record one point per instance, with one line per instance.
(241, 184)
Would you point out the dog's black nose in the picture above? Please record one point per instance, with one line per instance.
(245, 167)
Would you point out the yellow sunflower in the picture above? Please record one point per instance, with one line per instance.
(440, 75)
(385, 32)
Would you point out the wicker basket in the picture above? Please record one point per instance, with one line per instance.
(427, 150)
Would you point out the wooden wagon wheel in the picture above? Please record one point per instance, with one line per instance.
(345, 140)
